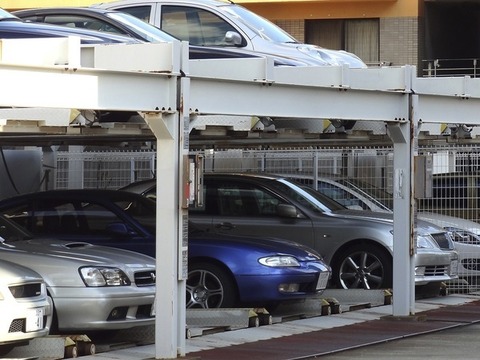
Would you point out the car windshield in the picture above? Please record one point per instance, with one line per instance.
(9, 231)
(308, 196)
(5, 15)
(264, 28)
(375, 194)
(148, 32)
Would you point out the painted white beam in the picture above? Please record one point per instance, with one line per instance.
(141, 81)
(310, 92)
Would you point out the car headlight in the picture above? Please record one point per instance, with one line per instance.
(279, 261)
(426, 242)
(463, 236)
(17, 291)
(103, 276)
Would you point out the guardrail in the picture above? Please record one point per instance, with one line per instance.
(451, 67)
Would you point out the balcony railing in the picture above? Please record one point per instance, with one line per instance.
(451, 67)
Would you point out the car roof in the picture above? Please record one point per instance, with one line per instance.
(140, 186)
(81, 194)
(12, 27)
(66, 9)
(263, 176)
(125, 2)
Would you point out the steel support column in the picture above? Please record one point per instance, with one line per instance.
(171, 248)
(169, 308)
(403, 230)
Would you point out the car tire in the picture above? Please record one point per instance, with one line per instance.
(363, 266)
(54, 325)
(209, 286)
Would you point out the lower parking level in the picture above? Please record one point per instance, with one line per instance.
(329, 337)
(327, 324)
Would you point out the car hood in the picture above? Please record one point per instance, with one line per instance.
(422, 226)
(273, 245)
(58, 262)
(66, 253)
(314, 55)
(445, 221)
(366, 215)
(11, 273)
(210, 52)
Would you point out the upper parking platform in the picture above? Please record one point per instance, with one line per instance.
(91, 77)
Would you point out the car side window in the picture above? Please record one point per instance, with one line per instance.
(197, 26)
(20, 214)
(98, 218)
(142, 12)
(141, 211)
(57, 220)
(343, 197)
(237, 199)
(83, 22)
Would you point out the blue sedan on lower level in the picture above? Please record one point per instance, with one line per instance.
(223, 270)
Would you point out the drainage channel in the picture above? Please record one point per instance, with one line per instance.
(202, 322)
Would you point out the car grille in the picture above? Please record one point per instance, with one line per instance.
(26, 290)
(17, 325)
(444, 241)
(436, 270)
(20, 325)
(145, 278)
(471, 264)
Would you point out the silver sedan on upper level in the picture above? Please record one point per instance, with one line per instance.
(229, 25)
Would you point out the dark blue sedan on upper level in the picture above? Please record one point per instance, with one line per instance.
(223, 270)
(12, 27)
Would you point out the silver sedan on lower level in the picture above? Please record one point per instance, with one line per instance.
(91, 287)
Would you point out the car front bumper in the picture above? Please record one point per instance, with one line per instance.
(308, 280)
(435, 266)
(104, 308)
(24, 320)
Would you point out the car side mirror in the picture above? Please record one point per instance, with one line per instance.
(287, 210)
(233, 38)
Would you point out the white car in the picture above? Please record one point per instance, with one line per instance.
(358, 194)
(25, 308)
(229, 25)
(91, 287)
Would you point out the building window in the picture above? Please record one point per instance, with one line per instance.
(360, 37)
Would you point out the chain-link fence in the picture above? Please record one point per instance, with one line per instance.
(359, 178)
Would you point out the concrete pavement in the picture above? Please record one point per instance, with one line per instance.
(444, 327)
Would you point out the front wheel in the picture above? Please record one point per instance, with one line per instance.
(209, 286)
(363, 267)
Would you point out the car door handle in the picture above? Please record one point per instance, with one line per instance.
(225, 226)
